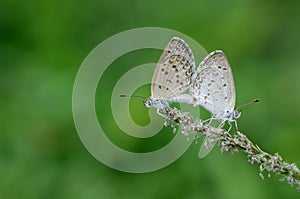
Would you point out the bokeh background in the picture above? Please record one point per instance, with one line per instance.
(43, 43)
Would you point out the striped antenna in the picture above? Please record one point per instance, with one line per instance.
(246, 104)
(135, 96)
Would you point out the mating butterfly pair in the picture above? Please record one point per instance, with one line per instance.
(211, 85)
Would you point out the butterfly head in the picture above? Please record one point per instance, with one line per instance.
(229, 114)
(149, 102)
(157, 103)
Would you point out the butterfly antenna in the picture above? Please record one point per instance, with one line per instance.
(135, 96)
(252, 102)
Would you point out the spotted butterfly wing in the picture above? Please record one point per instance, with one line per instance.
(173, 72)
(213, 85)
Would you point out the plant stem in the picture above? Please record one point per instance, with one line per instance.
(232, 143)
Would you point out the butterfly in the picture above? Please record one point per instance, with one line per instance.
(213, 87)
(173, 75)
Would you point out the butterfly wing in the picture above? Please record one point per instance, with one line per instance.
(173, 72)
(213, 86)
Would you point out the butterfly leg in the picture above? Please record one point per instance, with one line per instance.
(209, 120)
(230, 126)
(236, 126)
(157, 111)
(221, 125)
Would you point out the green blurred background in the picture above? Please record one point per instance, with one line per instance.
(43, 43)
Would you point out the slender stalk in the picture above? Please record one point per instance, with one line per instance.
(232, 143)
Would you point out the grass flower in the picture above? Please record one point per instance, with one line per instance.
(232, 143)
